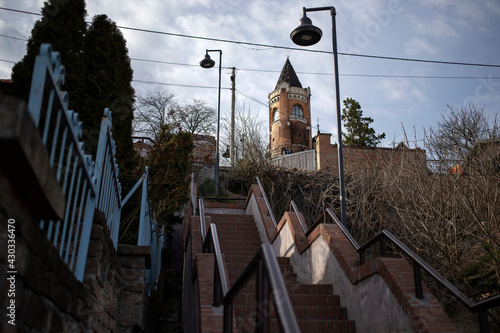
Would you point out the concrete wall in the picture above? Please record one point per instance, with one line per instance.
(370, 303)
(379, 295)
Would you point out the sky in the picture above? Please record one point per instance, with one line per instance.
(401, 96)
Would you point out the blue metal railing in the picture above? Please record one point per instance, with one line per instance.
(86, 185)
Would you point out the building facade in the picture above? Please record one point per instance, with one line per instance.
(290, 132)
(289, 115)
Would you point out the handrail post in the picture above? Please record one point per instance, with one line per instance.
(484, 326)
(228, 318)
(362, 257)
(417, 275)
(217, 298)
(383, 246)
(262, 296)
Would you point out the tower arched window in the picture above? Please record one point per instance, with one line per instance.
(297, 112)
(276, 114)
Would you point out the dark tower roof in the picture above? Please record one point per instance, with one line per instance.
(289, 76)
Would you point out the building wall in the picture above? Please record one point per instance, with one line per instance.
(364, 159)
(204, 149)
(288, 131)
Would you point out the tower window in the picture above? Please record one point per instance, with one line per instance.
(276, 114)
(297, 112)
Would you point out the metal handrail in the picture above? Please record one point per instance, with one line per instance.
(299, 216)
(203, 225)
(269, 279)
(418, 264)
(193, 195)
(210, 244)
(269, 210)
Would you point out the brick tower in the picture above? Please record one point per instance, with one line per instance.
(289, 115)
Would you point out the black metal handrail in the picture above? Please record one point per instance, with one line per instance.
(210, 244)
(269, 210)
(419, 264)
(269, 280)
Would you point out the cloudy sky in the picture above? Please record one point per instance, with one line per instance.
(392, 92)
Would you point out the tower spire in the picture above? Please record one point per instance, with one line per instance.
(289, 76)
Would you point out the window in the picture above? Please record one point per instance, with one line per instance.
(297, 112)
(276, 114)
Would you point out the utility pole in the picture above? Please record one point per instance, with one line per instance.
(233, 93)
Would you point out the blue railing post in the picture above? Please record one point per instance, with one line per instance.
(144, 237)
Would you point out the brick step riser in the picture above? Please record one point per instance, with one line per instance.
(295, 287)
(314, 313)
(299, 300)
(317, 326)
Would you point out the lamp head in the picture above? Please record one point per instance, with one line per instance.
(207, 62)
(306, 34)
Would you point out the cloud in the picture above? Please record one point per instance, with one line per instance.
(463, 8)
(418, 46)
(438, 26)
(402, 89)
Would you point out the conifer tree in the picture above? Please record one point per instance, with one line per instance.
(63, 26)
(108, 77)
(359, 132)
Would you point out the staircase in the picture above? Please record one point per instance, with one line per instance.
(316, 308)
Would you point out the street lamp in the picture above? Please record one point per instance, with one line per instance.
(306, 34)
(209, 63)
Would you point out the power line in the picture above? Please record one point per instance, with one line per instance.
(12, 62)
(12, 37)
(178, 84)
(284, 47)
(251, 98)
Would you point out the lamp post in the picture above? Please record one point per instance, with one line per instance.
(306, 34)
(209, 63)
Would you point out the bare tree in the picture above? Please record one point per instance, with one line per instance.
(454, 137)
(250, 135)
(153, 111)
(196, 117)
(158, 108)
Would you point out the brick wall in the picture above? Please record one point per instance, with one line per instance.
(364, 159)
(289, 132)
(204, 149)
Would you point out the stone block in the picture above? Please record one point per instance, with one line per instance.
(134, 287)
(24, 159)
(129, 297)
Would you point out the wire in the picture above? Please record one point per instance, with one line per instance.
(12, 62)
(305, 73)
(251, 98)
(284, 47)
(178, 84)
(6, 36)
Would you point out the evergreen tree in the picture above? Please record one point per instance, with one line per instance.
(359, 132)
(63, 26)
(108, 77)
